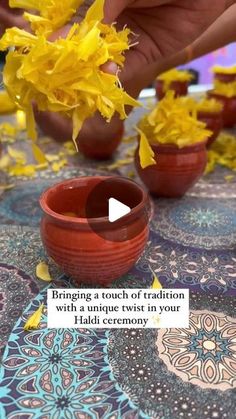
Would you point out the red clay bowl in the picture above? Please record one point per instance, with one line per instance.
(93, 250)
(179, 87)
(214, 122)
(225, 78)
(176, 170)
(101, 148)
(229, 108)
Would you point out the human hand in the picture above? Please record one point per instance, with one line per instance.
(10, 17)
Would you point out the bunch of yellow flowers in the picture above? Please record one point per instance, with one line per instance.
(65, 76)
(171, 121)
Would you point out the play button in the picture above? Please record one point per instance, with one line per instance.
(117, 210)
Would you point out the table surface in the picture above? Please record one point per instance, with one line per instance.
(84, 373)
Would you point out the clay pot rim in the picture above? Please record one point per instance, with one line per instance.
(158, 147)
(83, 222)
(208, 113)
(212, 93)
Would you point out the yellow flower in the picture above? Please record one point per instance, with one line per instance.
(6, 103)
(65, 76)
(225, 89)
(222, 152)
(51, 14)
(224, 70)
(34, 320)
(172, 121)
(174, 75)
(209, 105)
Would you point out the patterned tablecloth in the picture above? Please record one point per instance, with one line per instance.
(84, 373)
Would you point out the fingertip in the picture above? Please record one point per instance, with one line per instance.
(110, 67)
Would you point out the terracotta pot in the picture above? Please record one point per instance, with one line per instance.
(101, 148)
(214, 122)
(176, 170)
(229, 108)
(225, 78)
(92, 249)
(179, 87)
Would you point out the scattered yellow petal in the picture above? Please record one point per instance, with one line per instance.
(7, 130)
(7, 105)
(69, 214)
(229, 178)
(129, 139)
(7, 187)
(19, 156)
(38, 154)
(42, 272)
(52, 157)
(57, 166)
(18, 170)
(130, 152)
(223, 153)
(34, 320)
(146, 153)
(156, 283)
(131, 174)
(5, 162)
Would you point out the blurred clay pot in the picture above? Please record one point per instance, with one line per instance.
(179, 87)
(225, 78)
(229, 108)
(101, 148)
(87, 246)
(176, 170)
(214, 122)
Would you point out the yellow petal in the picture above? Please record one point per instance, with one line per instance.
(18, 170)
(42, 272)
(69, 214)
(30, 121)
(57, 166)
(7, 187)
(38, 154)
(96, 11)
(5, 162)
(34, 320)
(146, 154)
(156, 283)
(19, 156)
(6, 103)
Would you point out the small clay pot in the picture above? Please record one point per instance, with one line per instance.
(225, 78)
(98, 148)
(229, 108)
(87, 247)
(179, 87)
(176, 170)
(214, 123)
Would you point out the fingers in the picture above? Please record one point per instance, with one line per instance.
(8, 18)
(113, 8)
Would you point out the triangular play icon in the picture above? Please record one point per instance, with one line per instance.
(117, 210)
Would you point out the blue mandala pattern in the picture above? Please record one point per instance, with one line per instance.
(203, 223)
(60, 373)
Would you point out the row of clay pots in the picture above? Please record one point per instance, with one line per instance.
(229, 103)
